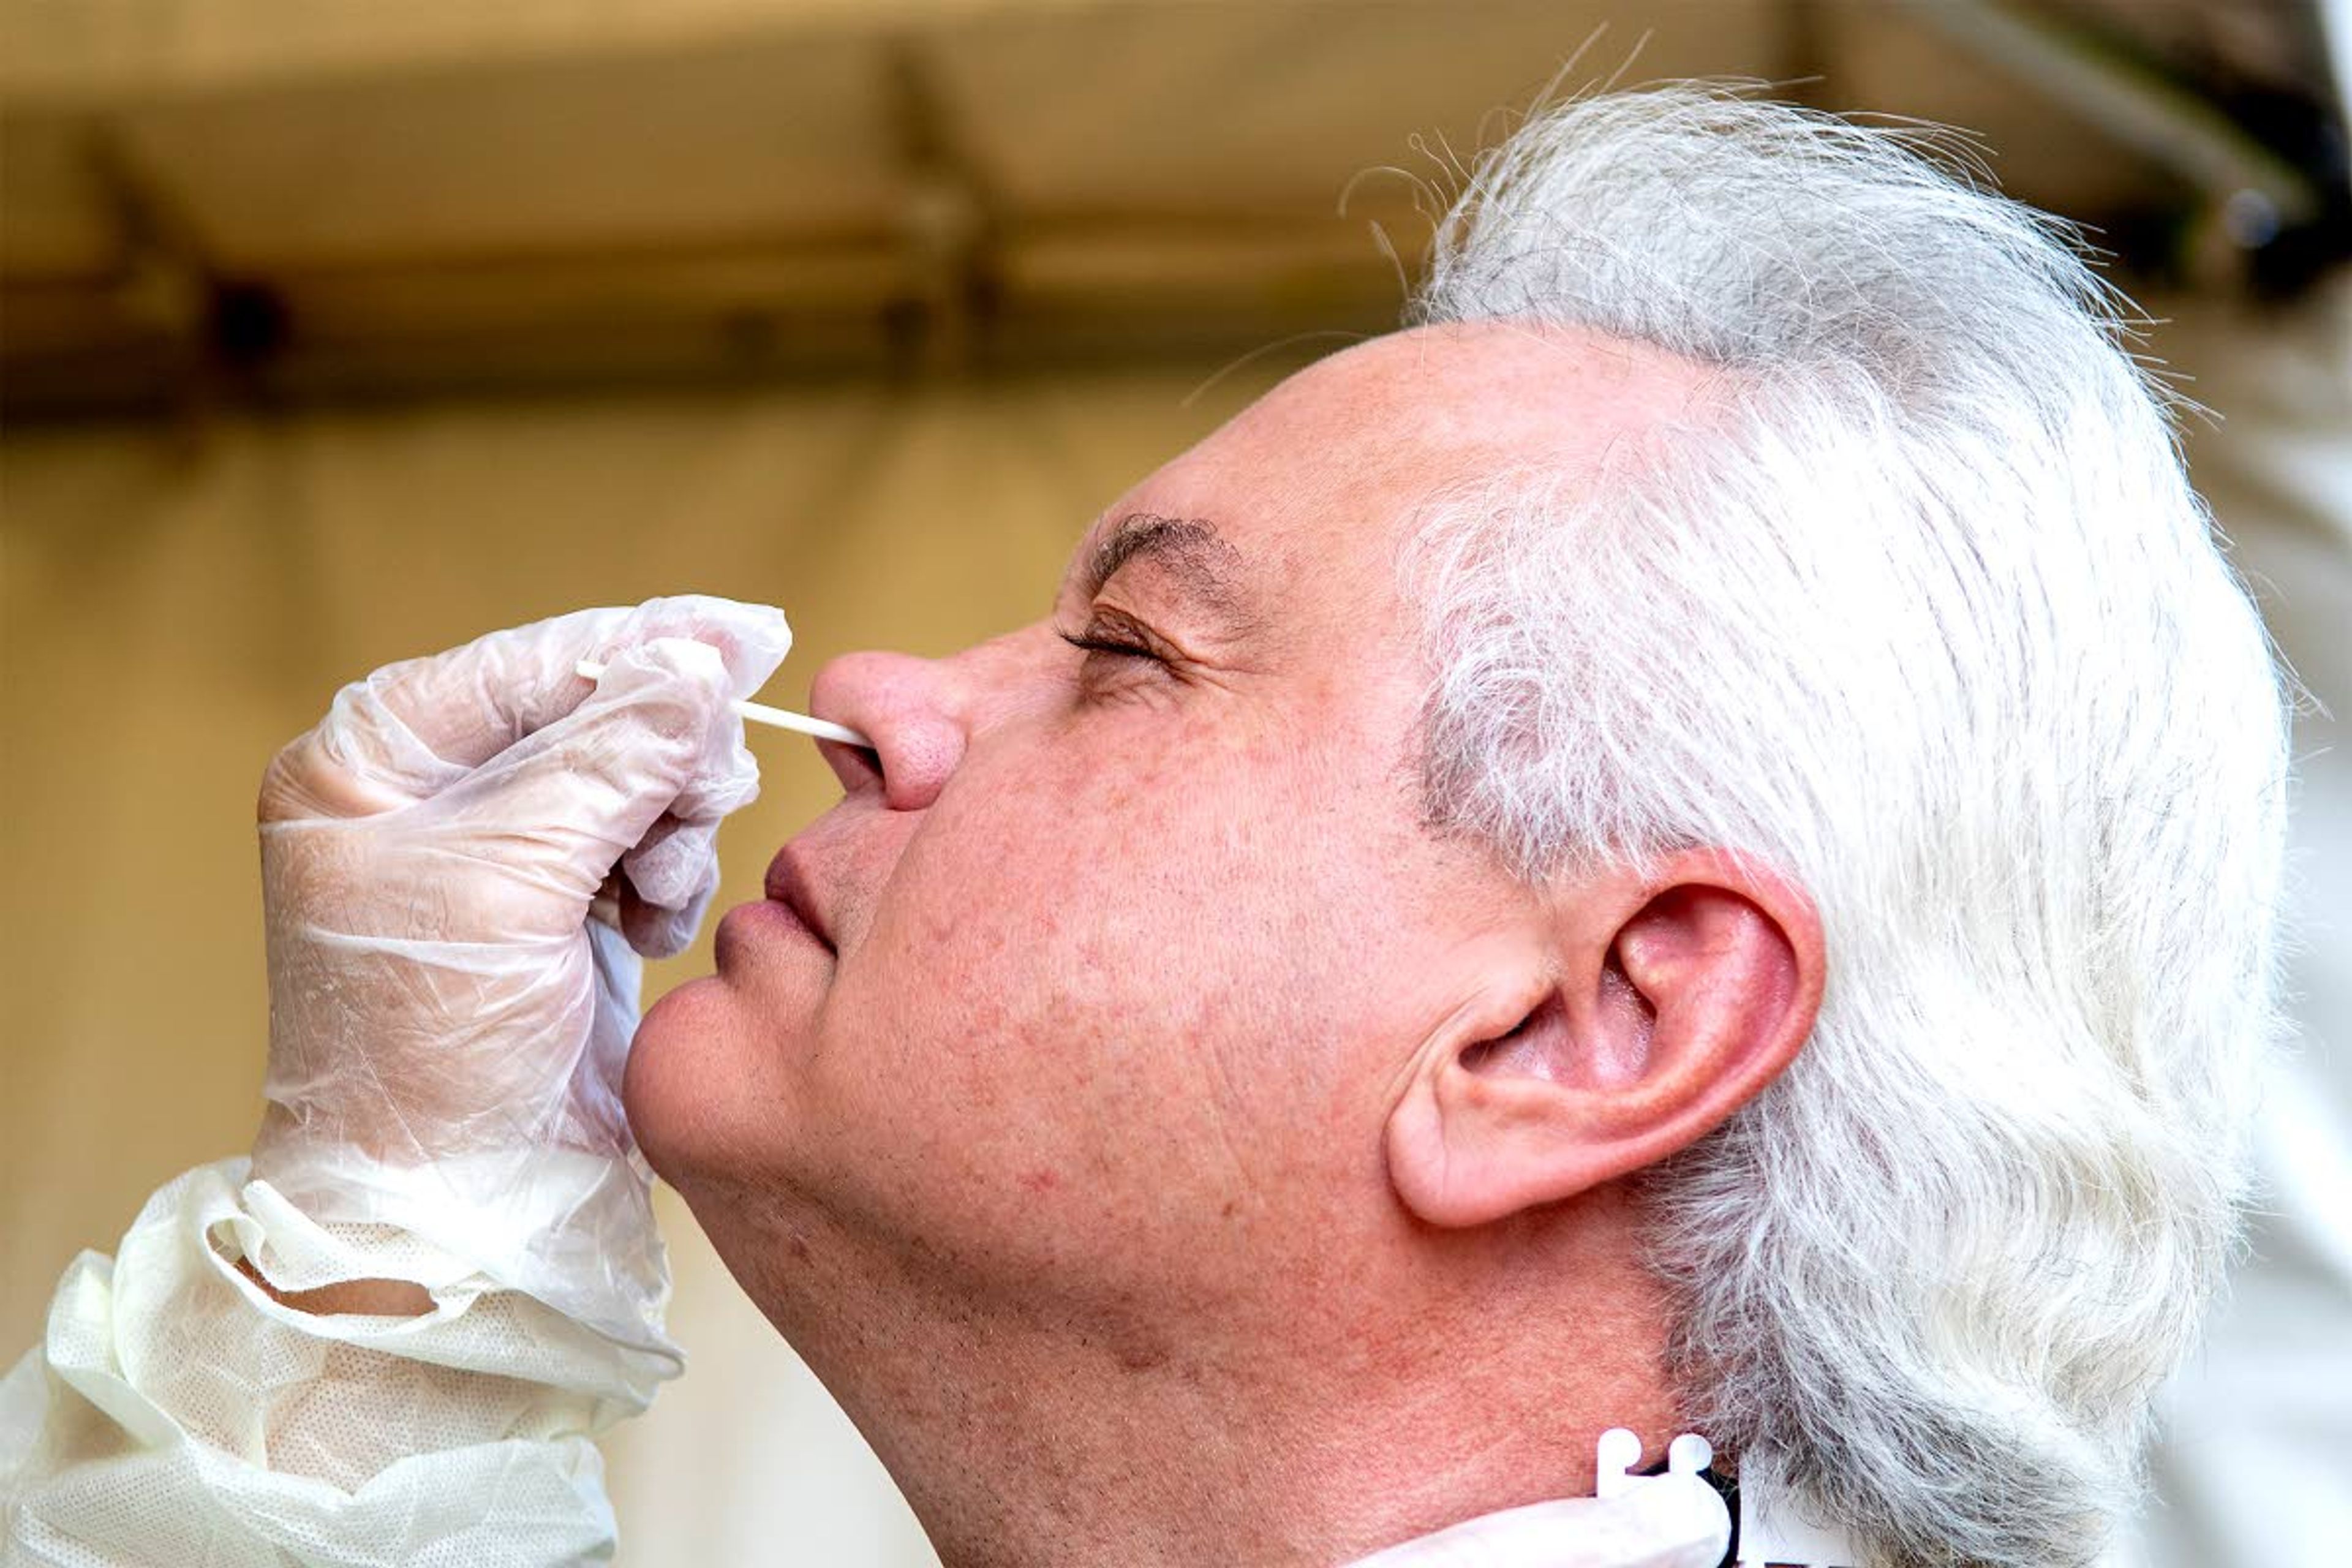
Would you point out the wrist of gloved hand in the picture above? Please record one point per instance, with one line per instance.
(531, 1191)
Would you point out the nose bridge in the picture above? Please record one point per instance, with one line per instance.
(990, 675)
(909, 708)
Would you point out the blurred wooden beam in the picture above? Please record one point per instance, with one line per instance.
(1075, 288)
(90, 52)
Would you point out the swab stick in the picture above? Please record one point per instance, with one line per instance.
(761, 713)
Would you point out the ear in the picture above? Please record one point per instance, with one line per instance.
(1660, 1008)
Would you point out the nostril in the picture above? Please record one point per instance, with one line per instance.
(916, 760)
(857, 767)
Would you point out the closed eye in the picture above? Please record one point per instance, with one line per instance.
(1114, 634)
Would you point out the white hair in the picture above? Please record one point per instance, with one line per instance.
(1916, 607)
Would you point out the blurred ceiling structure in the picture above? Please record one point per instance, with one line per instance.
(286, 199)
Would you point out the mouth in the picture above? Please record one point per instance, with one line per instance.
(788, 884)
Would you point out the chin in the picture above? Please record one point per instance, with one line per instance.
(667, 1088)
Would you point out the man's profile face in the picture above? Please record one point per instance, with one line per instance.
(1119, 953)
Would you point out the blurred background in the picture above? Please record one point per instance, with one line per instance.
(335, 333)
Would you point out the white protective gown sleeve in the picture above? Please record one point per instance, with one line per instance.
(175, 1414)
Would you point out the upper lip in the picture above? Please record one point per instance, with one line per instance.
(788, 884)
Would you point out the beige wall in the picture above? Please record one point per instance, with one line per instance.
(173, 608)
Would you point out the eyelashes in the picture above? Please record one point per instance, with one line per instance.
(1110, 647)
(1112, 634)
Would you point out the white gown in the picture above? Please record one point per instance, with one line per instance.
(174, 1414)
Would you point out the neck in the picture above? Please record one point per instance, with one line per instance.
(1462, 1379)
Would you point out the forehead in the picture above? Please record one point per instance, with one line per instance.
(1315, 485)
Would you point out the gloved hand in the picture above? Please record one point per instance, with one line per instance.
(457, 866)
(1665, 1521)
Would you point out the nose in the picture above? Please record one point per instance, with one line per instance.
(909, 708)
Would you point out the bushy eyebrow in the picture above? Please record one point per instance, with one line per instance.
(1190, 549)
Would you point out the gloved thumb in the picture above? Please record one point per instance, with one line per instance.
(1667, 1521)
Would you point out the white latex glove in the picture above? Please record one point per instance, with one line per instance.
(1665, 1521)
(456, 864)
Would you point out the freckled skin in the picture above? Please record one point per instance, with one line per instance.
(1067, 1173)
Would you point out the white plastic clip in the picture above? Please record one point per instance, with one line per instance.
(1769, 1537)
(1620, 1450)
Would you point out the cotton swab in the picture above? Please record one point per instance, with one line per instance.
(761, 713)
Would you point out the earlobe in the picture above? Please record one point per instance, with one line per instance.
(1670, 1005)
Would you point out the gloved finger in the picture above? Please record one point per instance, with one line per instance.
(1670, 1521)
(751, 639)
(664, 884)
(670, 864)
(674, 863)
(558, 809)
(413, 727)
(657, 930)
(470, 705)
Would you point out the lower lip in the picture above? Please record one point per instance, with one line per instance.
(762, 921)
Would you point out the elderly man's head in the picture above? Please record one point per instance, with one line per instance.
(1688, 841)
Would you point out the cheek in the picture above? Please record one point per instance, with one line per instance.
(1025, 941)
(1128, 990)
